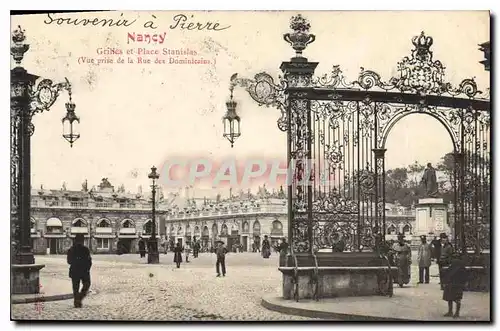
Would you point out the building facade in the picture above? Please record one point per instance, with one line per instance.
(114, 221)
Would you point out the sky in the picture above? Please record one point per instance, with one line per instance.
(134, 116)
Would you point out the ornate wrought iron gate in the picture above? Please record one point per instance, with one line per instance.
(337, 131)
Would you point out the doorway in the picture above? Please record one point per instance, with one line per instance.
(52, 245)
(244, 243)
(124, 246)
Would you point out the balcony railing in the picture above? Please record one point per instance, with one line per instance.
(103, 205)
(79, 204)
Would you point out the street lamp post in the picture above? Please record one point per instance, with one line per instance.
(26, 100)
(153, 255)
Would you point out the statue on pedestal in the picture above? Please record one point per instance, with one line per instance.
(429, 180)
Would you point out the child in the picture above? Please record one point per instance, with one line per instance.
(454, 279)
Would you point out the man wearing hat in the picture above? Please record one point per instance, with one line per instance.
(80, 262)
(446, 255)
(424, 260)
(402, 252)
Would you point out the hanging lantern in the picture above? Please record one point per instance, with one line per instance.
(231, 121)
(70, 122)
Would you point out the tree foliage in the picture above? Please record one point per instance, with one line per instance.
(403, 185)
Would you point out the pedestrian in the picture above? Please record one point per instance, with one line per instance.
(221, 252)
(454, 279)
(266, 248)
(163, 244)
(283, 250)
(187, 250)
(142, 247)
(283, 247)
(196, 248)
(178, 255)
(402, 254)
(424, 260)
(80, 262)
(436, 249)
(445, 256)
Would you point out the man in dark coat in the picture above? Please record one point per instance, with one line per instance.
(80, 262)
(142, 248)
(178, 254)
(221, 252)
(436, 249)
(454, 279)
(446, 254)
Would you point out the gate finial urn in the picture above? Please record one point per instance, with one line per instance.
(300, 37)
(18, 48)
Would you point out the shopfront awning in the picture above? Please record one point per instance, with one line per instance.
(54, 235)
(54, 221)
(105, 236)
(127, 235)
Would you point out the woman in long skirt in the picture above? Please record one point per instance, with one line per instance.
(402, 254)
(266, 248)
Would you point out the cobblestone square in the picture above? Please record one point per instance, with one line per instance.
(126, 288)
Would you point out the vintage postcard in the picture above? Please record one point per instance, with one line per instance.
(250, 166)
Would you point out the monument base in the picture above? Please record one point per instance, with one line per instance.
(25, 278)
(330, 275)
(431, 219)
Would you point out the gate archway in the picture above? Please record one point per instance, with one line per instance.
(336, 132)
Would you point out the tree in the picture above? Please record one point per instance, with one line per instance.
(415, 171)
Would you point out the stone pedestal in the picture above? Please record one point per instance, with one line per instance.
(25, 278)
(330, 275)
(431, 219)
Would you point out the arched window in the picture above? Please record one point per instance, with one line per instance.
(179, 231)
(188, 230)
(103, 223)
(79, 223)
(127, 224)
(277, 225)
(391, 229)
(147, 228)
(54, 225)
(214, 229)
(172, 230)
(223, 230)
(205, 231)
(407, 229)
(246, 227)
(277, 229)
(196, 230)
(256, 228)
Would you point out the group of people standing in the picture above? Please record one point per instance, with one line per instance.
(452, 273)
(195, 247)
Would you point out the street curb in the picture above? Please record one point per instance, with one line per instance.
(270, 302)
(42, 298)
